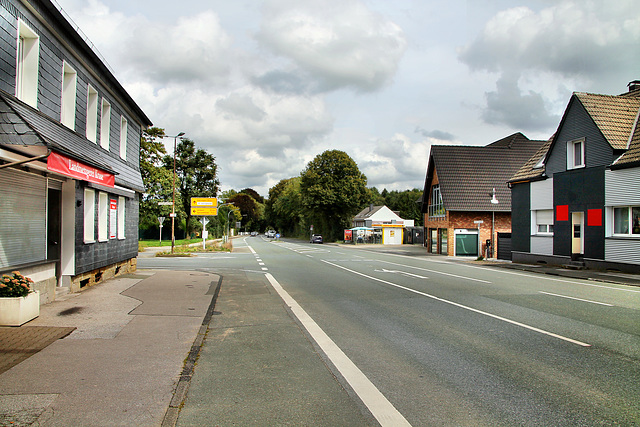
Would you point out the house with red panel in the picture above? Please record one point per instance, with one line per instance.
(577, 201)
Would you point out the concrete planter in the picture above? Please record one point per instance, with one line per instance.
(19, 310)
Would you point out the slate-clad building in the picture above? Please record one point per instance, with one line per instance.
(70, 180)
(577, 201)
(466, 200)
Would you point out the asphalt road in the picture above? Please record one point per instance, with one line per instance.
(331, 335)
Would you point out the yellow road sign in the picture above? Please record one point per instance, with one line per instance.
(204, 202)
(208, 211)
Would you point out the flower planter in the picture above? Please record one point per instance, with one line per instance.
(19, 310)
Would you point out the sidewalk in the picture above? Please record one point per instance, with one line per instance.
(121, 361)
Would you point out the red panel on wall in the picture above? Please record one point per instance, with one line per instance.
(562, 213)
(594, 217)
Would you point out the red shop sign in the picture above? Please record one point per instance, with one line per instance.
(75, 169)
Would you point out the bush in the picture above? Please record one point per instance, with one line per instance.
(14, 285)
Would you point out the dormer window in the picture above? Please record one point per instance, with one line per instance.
(575, 154)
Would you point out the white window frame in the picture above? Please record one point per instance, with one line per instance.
(89, 216)
(572, 151)
(105, 124)
(124, 128)
(436, 205)
(542, 222)
(92, 114)
(68, 98)
(121, 218)
(630, 224)
(103, 217)
(27, 63)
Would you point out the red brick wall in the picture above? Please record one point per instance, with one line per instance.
(455, 220)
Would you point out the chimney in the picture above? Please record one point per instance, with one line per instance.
(634, 85)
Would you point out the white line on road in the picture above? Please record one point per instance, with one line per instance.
(384, 270)
(437, 272)
(374, 400)
(545, 277)
(577, 299)
(475, 310)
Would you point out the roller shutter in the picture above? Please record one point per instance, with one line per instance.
(22, 217)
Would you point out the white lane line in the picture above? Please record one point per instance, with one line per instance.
(374, 400)
(577, 299)
(437, 272)
(544, 276)
(475, 310)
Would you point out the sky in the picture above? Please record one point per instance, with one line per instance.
(265, 86)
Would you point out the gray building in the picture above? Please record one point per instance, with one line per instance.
(577, 201)
(70, 179)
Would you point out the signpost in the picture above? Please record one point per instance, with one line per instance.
(204, 206)
(161, 220)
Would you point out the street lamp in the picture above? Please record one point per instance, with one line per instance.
(494, 201)
(173, 204)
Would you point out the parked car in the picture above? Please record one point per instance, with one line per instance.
(254, 233)
(316, 238)
(271, 234)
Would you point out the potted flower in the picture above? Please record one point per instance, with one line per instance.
(18, 302)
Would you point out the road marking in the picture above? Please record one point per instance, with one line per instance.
(543, 276)
(384, 270)
(577, 299)
(374, 400)
(475, 310)
(437, 272)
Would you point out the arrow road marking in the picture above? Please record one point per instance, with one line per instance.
(384, 270)
(475, 310)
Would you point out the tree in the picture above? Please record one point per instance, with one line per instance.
(332, 191)
(157, 179)
(196, 176)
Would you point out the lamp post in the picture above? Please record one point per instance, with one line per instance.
(494, 201)
(173, 204)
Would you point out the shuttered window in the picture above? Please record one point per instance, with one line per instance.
(23, 218)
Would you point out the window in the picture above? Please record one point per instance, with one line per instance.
(103, 217)
(436, 206)
(68, 110)
(92, 114)
(543, 222)
(105, 122)
(27, 65)
(121, 217)
(89, 216)
(123, 137)
(626, 220)
(575, 154)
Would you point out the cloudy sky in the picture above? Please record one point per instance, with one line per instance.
(265, 86)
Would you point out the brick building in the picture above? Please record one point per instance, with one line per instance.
(70, 179)
(466, 201)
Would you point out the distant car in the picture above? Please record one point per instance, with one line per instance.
(316, 238)
(254, 233)
(271, 233)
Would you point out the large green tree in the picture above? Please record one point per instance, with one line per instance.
(157, 180)
(196, 176)
(332, 191)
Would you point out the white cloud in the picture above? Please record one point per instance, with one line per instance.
(337, 43)
(570, 44)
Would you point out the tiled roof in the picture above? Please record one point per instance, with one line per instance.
(532, 169)
(367, 212)
(468, 174)
(614, 115)
(21, 124)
